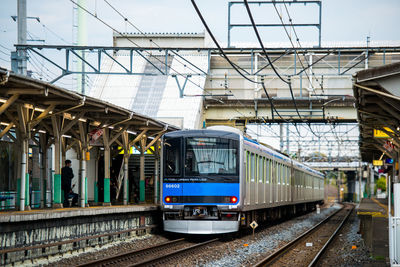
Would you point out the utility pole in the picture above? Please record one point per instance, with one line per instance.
(80, 39)
(366, 53)
(22, 25)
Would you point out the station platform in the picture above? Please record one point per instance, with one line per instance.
(26, 235)
(48, 214)
(373, 214)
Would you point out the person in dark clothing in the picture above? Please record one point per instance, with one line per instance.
(66, 178)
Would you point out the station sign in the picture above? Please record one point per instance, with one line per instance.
(382, 134)
(388, 146)
(377, 162)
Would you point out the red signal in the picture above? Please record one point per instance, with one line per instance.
(234, 199)
(168, 199)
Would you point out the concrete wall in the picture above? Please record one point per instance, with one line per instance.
(34, 232)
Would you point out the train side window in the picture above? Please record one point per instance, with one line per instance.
(247, 166)
(268, 172)
(279, 173)
(252, 167)
(172, 155)
(256, 168)
(260, 169)
(264, 170)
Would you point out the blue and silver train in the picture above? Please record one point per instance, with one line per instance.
(216, 180)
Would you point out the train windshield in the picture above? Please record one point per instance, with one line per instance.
(172, 154)
(211, 156)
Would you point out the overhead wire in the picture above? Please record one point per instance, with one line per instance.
(272, 66)
(237, 69)
(300, 46)
(134, 43)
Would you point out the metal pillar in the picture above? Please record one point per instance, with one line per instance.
(57, 163)
(125, 143)
(142, 184)
(43, 172)
(156, 172)
(36, 172)
(82, 41)
(106, 200)
(82, 182)
(22, 30)
(360, 173)
(126, 177)
(24, 174)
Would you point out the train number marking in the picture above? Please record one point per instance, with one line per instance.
(172, 186)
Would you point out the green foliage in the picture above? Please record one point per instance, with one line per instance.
(381, 183)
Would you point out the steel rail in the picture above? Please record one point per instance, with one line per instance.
(126, 255)
(60, 243)
(323, 249)
(173, 254)
(274, 256)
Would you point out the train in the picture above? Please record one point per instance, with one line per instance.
(217, 180)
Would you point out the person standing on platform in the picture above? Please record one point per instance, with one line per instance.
(66, 178)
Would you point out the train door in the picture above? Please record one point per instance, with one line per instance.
(278, 182)
(260, 183)
(252, 177)
(270, 181)
(266, 189)
(248, 177)
(288, 184)
(256, 175)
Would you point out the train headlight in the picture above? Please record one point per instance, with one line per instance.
(234, 199)
(168, 199)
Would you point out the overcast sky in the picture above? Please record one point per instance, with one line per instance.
(342, 20)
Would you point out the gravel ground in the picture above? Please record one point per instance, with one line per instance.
(90, 254)
(342, 252)
(249, 250)
(244, 251)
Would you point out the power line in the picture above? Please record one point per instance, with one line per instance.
(54, 33)
(7, 54)
(234, 65)
(298, 41)
(269, 61)
(5, 60)
(124, 35)
(5, 47)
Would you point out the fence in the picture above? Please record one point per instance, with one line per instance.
(394, 237)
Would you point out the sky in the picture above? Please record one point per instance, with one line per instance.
(342, 21)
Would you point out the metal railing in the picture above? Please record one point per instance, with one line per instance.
(394, 237)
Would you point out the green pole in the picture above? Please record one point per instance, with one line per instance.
(106, 190)
(57, 188)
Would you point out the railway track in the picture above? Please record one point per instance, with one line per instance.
(307, 248)
(154, 255)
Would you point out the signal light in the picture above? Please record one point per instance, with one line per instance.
(167, 199)
(234, 199)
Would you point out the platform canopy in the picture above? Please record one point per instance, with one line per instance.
(34, 104)
(377, 91)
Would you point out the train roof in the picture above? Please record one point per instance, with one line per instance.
(282, 157)
(233, 133)
(204, 133)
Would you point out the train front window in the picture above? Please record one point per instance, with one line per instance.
(172, 154)
(211, 156)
